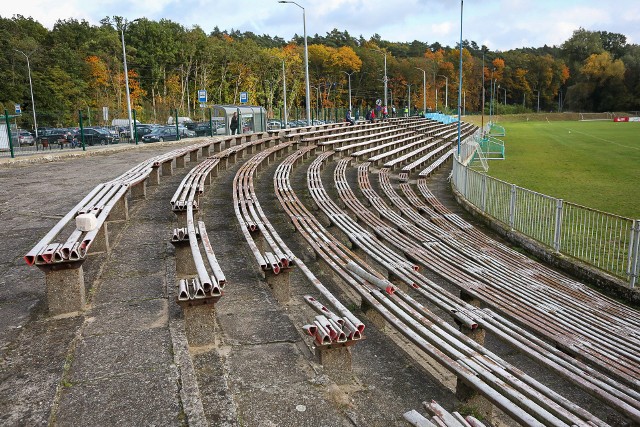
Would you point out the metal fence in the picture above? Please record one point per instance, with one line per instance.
(608, 242)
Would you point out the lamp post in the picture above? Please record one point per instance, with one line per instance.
(446, 91)
(33, 104)
(409, 101)
(424, 90)
(306, 60)
(385, 72)
(123, 26)
(349, 74)
(460, 84)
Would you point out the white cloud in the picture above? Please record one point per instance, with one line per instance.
(499, 24)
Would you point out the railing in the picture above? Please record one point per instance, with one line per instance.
(606, 241)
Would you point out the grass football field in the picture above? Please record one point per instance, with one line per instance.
(594, 164)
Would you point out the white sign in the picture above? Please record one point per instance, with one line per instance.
(18, 109)
(105, 114)
(202, 96)
(244, 97)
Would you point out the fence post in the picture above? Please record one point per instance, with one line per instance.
(512, 206)
(135, 127)
(634, 255)
(6, 119)
(466, 177)
(484, 192)
(557, 236)
(84, 147)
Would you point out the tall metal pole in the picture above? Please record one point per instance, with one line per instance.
(306, 60)
(460, 83)
(483, 94)
(349, 74)
(385, 79)
(126, 81)
(284, 94)
(424, 90)
(33, 104)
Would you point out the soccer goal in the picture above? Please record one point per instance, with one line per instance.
(592, 117)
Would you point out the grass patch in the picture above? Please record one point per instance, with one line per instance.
(595, 164)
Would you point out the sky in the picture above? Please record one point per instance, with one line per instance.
(499, 24)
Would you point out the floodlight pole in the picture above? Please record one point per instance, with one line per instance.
(306, 60)
(385, 80)
(33, 104)
(126, 79)
(460, 83)
(284, 93)
(349, 74)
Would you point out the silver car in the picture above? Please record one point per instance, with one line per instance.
(25, 138)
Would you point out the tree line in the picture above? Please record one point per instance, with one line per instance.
(76, 66)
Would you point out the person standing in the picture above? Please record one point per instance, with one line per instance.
(234, 124)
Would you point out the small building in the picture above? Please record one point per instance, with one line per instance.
(251, 118)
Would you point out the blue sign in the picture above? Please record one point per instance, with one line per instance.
(244, 97)
(18, 109)
(202, 96)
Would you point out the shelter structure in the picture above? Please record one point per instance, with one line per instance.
(252, 118)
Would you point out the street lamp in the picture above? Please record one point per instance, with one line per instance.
(349, 74)
(446, 91)
(460, 84)
(123, 26)
(385, 73)
(424, 89)
(33, 104)
(409, 101)
(306, 60)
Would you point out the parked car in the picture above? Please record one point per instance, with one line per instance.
(160, 134)
(25, 137)
(98, 136)
(186, 133)
(142, 130)
(55, 136)
(200, 128)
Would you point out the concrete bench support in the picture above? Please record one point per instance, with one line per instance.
(139, 191)
(372, 314)
(119, 211)
(184, 260)
(101, 242)
(200, 324)
(280, 285)
(65, 290)
(180, 161)
(205, 151)
(154, 177)
(336, 362)
(167, 168)
(193, 156)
